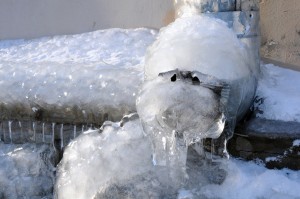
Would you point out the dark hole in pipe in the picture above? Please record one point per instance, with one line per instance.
(173, 78)
(196, 80)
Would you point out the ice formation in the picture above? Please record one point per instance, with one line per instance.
(26, 171)
(115, 162)
(95, 160)
(177, 114)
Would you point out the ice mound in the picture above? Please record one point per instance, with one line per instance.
(101, 159)
(115, 162)
(84, 78)
(26, 171)
(278, 94)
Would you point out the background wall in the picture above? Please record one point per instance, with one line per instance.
(280, 20)
(280, 29)
(36, 18)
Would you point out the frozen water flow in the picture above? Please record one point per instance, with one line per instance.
(115, 162)
(175, 115)
(26, 171)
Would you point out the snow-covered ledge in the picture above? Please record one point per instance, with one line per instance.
(59, 85)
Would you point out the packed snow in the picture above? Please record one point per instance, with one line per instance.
(279, 89)
(26, 171)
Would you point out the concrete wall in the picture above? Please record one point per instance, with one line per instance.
(36, 18)
(280, 29)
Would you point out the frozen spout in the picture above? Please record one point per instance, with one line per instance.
(179, 108)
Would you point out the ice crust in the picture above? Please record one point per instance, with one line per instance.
(26, 171)
(87, 75)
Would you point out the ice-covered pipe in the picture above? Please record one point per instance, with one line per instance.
(175, 115)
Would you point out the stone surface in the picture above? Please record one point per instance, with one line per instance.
(268, 140)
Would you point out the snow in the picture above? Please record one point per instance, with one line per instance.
(97, 72)
(26, 171)
(296, 143)
(250, 180)
(199, 43)
(279, 88)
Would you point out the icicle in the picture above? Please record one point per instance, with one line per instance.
(34, 131)
(61, 136)
(74, 132)
(53, 134)
(82, 129)
(10, 131)
(21, 130)
(43, 132)
(1, 131)
(212, 150)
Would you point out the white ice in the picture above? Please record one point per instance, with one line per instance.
(26, 171)
(94, 161)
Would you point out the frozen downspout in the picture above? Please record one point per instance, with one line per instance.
(242, 16)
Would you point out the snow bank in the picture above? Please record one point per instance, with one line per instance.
(279, 88)
(26, 171)
(86, 76)
(250, 180)
(113, 47)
